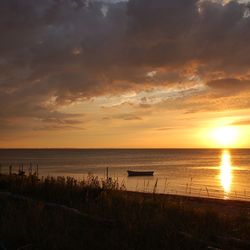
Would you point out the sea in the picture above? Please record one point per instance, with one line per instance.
(210, 173)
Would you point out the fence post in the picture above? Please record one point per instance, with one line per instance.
(10, 170)
(107, 173)
(37, 170)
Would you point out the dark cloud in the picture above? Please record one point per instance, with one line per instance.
(230, 86)
(126, 117)
(56, 52)
(57, 127)
(221, 37)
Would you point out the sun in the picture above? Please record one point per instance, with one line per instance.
(226, 136)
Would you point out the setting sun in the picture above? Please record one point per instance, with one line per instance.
(226, 136)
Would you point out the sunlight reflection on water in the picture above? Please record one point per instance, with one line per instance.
(226, 172)
(211, 173)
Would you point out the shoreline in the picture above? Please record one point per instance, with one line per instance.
(61, 213)
(178, 198)
(218, 205)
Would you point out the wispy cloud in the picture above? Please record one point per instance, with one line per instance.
(241, 123)
(164, 129)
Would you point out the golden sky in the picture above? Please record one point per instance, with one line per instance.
(114, 74)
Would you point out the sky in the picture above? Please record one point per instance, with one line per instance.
(124, 74)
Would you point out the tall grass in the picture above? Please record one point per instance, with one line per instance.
(139, 221)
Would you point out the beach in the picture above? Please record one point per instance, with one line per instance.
(61, 213)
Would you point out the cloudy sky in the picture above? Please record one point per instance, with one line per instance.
(110, 73)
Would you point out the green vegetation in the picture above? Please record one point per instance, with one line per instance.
(62, 213)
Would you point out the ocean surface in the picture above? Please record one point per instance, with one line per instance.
(211, 173)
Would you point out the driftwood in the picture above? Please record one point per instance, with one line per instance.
(205, 244)
(221, 240)
(70, 210)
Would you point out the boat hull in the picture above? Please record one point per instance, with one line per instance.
(140, 173)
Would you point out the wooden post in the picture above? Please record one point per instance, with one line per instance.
(107, 173)
(0, 168)
(37, 170)
(10, 170)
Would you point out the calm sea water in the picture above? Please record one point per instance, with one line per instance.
(209, 173)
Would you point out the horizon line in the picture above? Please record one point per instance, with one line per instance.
(113, 148)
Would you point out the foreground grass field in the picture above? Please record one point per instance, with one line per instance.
(62, 213)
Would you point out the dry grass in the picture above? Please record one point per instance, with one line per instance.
(113, 219)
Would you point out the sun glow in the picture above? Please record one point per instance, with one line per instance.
(226, 171)
(226, 136)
